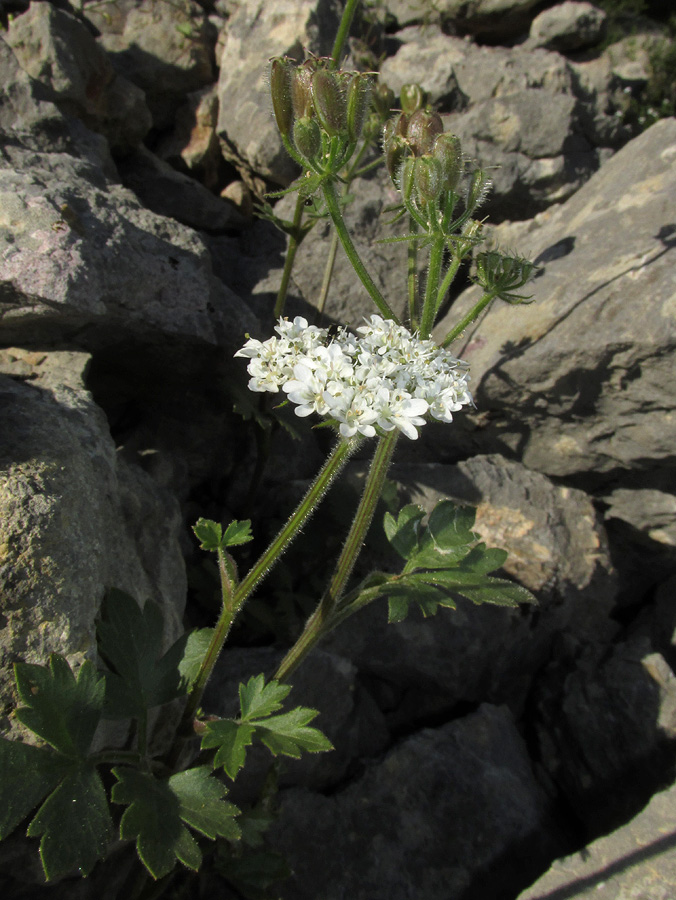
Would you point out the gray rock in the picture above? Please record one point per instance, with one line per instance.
(257, 31)
(57, 50)
(167, 49)
(80, 254)
(636, 862)
(572, 383)
(193, 146)
(571, 25)
(76, 519)
(488, 18)
(651, 512)
(557, 548)
(606, 725)
(443, 807)
(436, 60)
(167, 192)
(25, 112)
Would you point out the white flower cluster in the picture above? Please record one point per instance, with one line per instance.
(383, 377)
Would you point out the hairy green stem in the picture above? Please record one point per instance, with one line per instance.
(343, 31)
(328, 272)
(432, 287)
(447, 281)
(294, 242)
(328, 613)
(306, 507)
(334, 210)
(412, 276)
(469, 318)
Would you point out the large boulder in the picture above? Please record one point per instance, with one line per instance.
(166, 49)
(76, 518)
(82, 256)
(57, 50)
(445, 808)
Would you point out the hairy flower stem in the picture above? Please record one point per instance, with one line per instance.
(233, 600)
(432, 287)
(451, 272)
(329, 191)
(412, 276)
(328, 613)
(343, 31)
(474, 313)
(294, 242)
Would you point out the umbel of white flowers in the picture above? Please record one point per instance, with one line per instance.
(382, 378)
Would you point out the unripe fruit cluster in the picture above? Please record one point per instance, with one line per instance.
(420, 158)
(314, 104)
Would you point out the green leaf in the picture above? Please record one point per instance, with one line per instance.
(209, 534)
(158, 811)
(130, 641)
(429, 555)
(427, 597)
(289, 733)
(213, 538)
(196, 646)
(257, 699)
(482, 559)
(62, 710)
(200, 796)
(403, 531)
(451, 526)
(232, 738)
(74, 823)
(237, 533)
(27, 775)
(497, 591)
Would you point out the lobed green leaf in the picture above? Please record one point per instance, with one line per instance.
(231, 738)
(403, 531)
(289, 733)
(61, 709)
(130, 641)
(258, 699)
(450, 526)
(27, 775)
(196, 645)
(74, 823)
(159, 810)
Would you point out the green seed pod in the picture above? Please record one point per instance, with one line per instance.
(407, 177)
(478, 189)
(358, 102)
(396, 151)
(448, 151)
(329, 102)
(411, 98)
(428, 177)
(423, 129)
(280, 89)
(307, 137)
(383, 100)
(301, 91)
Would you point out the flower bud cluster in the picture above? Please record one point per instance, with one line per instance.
(379, 379)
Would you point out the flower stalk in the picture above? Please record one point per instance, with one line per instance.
(328, 612)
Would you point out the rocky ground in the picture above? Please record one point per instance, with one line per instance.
(486, 754)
